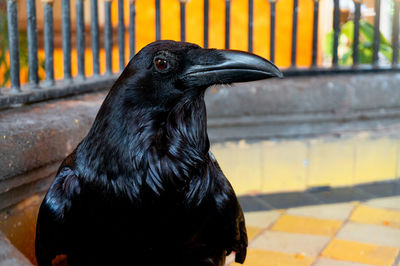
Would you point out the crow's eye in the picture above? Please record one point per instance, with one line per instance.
(161, 64)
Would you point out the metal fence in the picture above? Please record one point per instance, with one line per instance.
(38, 91)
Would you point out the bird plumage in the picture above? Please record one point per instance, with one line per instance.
(142, 188)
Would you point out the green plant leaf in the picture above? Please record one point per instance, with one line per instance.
(328, 44)
(347, 30)
(365, 43)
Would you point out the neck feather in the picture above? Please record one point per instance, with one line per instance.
(149, 150)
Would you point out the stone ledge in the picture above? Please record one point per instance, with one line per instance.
(9, 255)
(338, 95)
(41, 134)
(14, 190)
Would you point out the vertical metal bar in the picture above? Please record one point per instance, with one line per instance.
(315, 34)
(395, 35)
(272, 30)
(336, 32)
(250, 27)
(94, 31)
(48, 41)
(32, 43)
(294, 33)
(108, 36)
(13, 44)
(206, 21)
(80, 38)
(158, 20)
(227, 23)
(121, 35)
(377, 33)
(66, 35)
(132, 40)
(183, 19)
(356, 37)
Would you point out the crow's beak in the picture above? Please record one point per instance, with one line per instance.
(209, 67)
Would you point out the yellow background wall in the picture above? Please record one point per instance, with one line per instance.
(295, 165)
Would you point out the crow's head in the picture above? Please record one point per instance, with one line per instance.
(165, 71)
(152, 124)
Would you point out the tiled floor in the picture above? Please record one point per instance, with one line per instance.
(349, 233)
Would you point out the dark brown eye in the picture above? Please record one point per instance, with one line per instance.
(161, 64)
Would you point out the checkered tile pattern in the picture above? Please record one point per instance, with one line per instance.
(342, 234)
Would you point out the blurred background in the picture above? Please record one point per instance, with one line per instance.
(170, 29)
(314, 158)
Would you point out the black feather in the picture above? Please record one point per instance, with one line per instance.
(142, 188)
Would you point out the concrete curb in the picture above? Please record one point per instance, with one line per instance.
(9, 255)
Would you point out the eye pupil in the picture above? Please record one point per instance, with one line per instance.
(161, 64)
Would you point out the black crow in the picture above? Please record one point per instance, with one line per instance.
(142, 188)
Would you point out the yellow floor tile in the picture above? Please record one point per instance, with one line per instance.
(256, 257)
(309, 245)
(261, 219)
(386, 202)
(338, 211)
(306, 225)
(360, 252)
(372, 215)
(330, 262)
(370, 233)
(252, 232)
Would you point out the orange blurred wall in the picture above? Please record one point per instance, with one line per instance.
(170, 26)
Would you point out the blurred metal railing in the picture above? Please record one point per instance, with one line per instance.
(36, 91)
